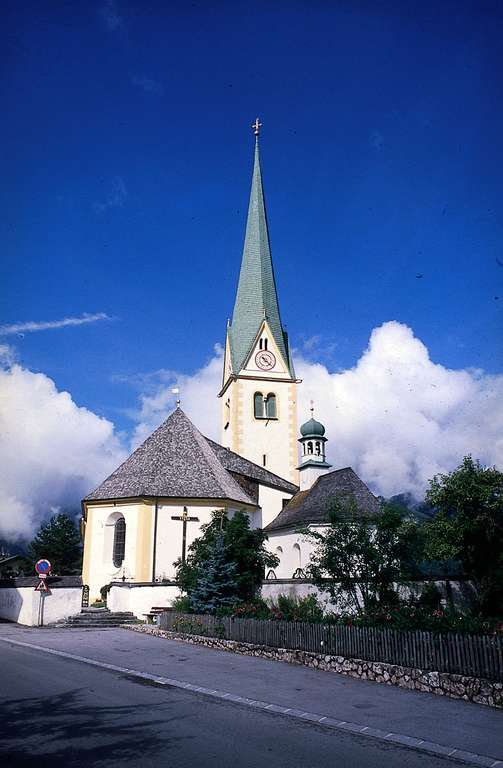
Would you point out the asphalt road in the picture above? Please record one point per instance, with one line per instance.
(59, 712)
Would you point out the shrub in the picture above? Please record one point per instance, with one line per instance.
(181, 604)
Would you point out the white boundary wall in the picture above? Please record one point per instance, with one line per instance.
(141, 598)
(25, 606)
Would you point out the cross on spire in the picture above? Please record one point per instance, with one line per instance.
(312, 409)
(257, 125)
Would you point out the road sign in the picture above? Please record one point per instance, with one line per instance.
(43, 567)
(41, 587)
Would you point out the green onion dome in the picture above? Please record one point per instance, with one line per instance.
(312, 428)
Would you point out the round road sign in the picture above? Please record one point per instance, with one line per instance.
(43, 567)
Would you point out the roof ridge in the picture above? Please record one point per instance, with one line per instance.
(249, 461)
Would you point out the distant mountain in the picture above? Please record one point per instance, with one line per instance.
(420, 509)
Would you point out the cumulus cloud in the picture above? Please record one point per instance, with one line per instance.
(44, 325)
(397, 417)
(52, 452)
(198, 395)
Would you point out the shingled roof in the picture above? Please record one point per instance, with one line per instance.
(312, 506)
(177, 461)
(233, 462)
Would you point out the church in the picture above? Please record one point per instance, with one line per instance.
(145, 515)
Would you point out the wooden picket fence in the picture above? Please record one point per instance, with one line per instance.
(471, 655)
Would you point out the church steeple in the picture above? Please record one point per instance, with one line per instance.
(259, 401)
(256, 298)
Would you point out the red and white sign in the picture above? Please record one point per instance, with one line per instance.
(41, 587)
(43, 568)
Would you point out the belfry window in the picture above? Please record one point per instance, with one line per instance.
(318, 448)
(309, 447)
(119, 546)
(258, 405)
(270, 406)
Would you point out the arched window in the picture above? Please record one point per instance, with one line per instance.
(318, 448)
(261, 344)
(265, 343)
(270, 406)
(119, 546)
(309, 447)
(258, 405)
(297, 555)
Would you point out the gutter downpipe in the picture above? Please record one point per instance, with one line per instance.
(156, 513)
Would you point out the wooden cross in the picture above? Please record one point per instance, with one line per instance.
(221, 514)
(256, 127)
(185, 519)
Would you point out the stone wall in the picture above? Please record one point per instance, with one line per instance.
(473, 689)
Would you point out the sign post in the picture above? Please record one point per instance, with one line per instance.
(43, 568)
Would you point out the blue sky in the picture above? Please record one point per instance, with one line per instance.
(127, 157)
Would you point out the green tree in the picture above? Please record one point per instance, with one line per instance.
(244, 548)
(216, 585)
(359, 561)
(58, 540)
(468, 527)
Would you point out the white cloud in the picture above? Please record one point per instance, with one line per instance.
(51, 452)
(44, 325)
(397, 417)
(198, 395)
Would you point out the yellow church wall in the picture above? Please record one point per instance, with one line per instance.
(98, 568)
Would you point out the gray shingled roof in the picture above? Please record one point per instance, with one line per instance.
(233, 462)
(256, 296)
(311, 506)
(177, 461)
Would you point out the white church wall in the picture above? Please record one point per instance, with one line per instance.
(169, 532)
(141, 598)
(22, 604)
(274, 438)
(293, 550)
(271, 503)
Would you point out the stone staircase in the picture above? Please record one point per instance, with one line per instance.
(96, 618)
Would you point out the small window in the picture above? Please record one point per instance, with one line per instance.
(270, 406)
(309, 447)
(265, 343)
(264, 459)
(258, 405)
(261, 344)
(119, 546)
(318, 449)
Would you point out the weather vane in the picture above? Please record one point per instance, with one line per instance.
(257, 125)
(312, 409)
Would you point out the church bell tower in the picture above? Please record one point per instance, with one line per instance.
(259, 398)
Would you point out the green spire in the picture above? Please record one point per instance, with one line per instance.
(256, 297)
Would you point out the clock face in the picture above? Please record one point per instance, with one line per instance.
(265, 360)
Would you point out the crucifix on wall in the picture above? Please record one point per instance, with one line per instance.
(185, 518)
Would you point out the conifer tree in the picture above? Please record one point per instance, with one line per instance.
(216, 586)
(58, 540)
